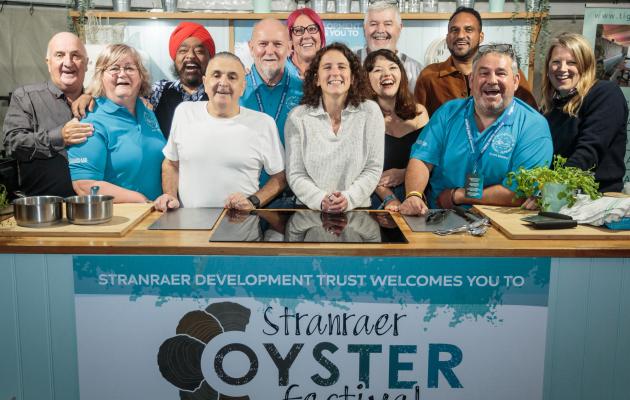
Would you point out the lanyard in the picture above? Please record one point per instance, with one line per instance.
(261, 107)
(473, 149)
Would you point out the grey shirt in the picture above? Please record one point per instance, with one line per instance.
(32, 129)
(412, 67)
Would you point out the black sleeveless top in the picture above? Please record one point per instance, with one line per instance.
(398, 150)
(165, 109)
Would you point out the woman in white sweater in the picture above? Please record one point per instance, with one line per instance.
(334, 139)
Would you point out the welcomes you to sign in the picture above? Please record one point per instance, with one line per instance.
(294, 328)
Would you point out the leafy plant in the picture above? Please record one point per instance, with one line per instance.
(529, 182)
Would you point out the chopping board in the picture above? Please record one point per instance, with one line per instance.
(508, 221)
(126, 216)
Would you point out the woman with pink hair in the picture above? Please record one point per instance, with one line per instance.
(307, 34)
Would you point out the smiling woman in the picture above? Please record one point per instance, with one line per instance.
(124, 155)
(334, 140)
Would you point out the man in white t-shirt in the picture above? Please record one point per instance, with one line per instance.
(216, 150)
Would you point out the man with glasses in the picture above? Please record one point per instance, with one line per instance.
(36, 126)
(270, 88)
(444, 81)
(469, 145)
(382, 26)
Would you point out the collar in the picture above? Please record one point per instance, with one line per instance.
(177, 85)
(259, 80)
(55, 90)
(319, 110)
(558, 98)
(112, 108)
(447, 67)
(508, 119)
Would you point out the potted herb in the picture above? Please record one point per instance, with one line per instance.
(558, 185)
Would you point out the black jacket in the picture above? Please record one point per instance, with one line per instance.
(596, 137)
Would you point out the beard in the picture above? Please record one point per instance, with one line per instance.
(269, 73)
(463, 56)
(194, 79)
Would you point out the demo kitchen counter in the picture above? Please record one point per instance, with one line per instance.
(168, 314)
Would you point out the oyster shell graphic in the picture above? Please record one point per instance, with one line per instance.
(179, 357)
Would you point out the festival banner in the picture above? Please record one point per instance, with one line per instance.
(608, 30)
(309, 328)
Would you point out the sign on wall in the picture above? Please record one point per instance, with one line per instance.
(310, 328)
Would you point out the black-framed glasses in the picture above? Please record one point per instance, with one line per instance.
(502, 48)
(299, 30)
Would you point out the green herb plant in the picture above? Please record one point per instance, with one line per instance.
(529, 182)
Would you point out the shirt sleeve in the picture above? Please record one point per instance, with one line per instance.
(534, 149)
(430, 144)
(156, 92)
(88, 159)
(601, 115)
(22, 139)
(420, 91)
(299, 181)
(170, 149)
(272, 150)
(366, 182)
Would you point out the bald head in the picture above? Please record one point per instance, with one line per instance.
(269, 46)
(67, 62)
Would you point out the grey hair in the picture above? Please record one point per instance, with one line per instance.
(513, 58)
(231, 56)
(381, 6)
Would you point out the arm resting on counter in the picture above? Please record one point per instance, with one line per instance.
(274, 186)
(121, 195)
(170, 185)
(495, 195)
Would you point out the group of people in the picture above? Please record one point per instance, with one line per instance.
(311, 124)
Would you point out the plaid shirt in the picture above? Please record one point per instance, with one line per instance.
(158, 88)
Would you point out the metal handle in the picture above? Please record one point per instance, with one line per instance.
(19, 194)
(94, 190)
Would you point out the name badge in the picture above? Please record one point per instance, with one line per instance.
(474, 186)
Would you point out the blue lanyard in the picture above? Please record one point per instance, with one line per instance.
(261, 107)
(473, 149)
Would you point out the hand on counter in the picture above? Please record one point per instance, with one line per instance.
(166, 202)
(413, 206)
(238, 201)
(334, 203)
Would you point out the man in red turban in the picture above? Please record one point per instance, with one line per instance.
(190, 47)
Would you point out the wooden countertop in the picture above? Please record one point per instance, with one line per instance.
(143, 241)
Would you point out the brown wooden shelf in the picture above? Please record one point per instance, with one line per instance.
(209, 15)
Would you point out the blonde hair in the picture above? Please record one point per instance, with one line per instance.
(110, 56)
(585, 60)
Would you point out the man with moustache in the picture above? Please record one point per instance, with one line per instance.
(36, 126)
(469, 145)
(191, 47)
(382, 26)
(441, 82)
(205, 174)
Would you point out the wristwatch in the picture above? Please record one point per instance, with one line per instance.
(254, 200)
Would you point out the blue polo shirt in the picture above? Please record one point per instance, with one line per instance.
(270, 97)
(292, 69)
(523, 140)
(124, 150)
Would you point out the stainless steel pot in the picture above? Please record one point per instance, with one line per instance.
(38, 211)
(90, 209)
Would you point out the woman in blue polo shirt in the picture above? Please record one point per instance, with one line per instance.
(124, 155)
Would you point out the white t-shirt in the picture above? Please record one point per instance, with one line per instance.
(220, 156)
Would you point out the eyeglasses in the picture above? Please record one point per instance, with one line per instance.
(115, 69)
(299, 30)
(393, 2)
(502, 48)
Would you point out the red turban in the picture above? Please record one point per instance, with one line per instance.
(189, 29)
(313, 16)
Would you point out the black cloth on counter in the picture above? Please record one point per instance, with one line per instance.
(596, 137)
(398, 150)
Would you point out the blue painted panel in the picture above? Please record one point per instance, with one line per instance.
(62, 327)
(621, 367)
(34, 326)
(10, 366)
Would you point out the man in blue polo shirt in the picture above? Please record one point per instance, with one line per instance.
(271, 89)
(469, 145)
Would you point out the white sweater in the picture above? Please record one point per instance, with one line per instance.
(320, 162)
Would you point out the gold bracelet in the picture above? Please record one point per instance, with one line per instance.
(417, 194)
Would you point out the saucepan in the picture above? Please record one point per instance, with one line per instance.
(37, 211)
(90, 209)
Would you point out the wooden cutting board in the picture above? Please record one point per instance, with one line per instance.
(508, 221)
(126, 216)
